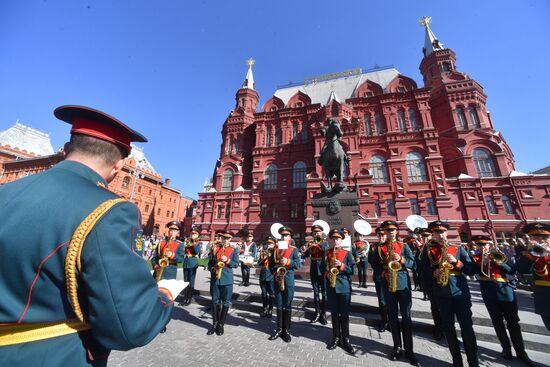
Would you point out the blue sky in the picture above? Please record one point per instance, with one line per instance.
(170, 69)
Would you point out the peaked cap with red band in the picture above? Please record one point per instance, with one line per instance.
(87, 121)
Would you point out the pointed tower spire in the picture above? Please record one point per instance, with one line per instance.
(333, 96)
(249, 80)
(431, 42)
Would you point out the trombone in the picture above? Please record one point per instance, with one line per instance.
(494, 255)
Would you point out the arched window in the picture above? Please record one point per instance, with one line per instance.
(507, 204)
(125, 182)
(484, 163)
(412, 120)
(378, 169)
(474, 117)
(416, 170)
(401, 121)
(461, 118)
(378, 124)
(227, 183)
(299, 175)
(270, 179)
(368, 127)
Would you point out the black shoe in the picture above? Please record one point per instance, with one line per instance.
(395, 354)
(276, 334)
(347, 346)
(333, 343)
(163, 330)
(412, 359)
(438, 335)
(522, 356)
(279, 329)
(323, 319)
(507, 354)
(285, 335)
(315, 317)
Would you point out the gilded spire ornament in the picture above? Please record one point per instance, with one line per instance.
(425, 21)
(250, 62)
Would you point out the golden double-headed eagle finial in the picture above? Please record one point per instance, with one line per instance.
(250, 62)
(425, 21)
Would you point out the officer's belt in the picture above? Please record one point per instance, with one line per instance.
(191, 255)
(544, 283)
(488, 279)
(173, 263)
(316, 258)
(25, 333)
(454, 273)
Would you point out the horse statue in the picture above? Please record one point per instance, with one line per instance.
(333, 158)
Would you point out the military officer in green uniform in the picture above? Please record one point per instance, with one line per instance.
(222, 260)
(118, 304)
(192, 250)
(316, 250)
(498, 295)
(360, 254)
(171, 251)
(339, 265)
(267, 286)
(448, 264)
(426, 277)
(395, 257)
(538, 259)
(377, 279)
(285, 261)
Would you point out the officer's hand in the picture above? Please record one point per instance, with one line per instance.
(396, 257)
(156, 266)
(337, 263)
(451, 258)
(223, 258)
(284, 261)
(437, 273)
(357, 260)
(169, 253)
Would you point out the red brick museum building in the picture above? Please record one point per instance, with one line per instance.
(430, 150)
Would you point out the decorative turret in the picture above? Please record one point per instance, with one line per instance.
(247, 98)
(437, 61)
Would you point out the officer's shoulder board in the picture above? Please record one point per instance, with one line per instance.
(139, 241)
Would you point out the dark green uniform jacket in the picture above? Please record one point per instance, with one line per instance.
(119, 297)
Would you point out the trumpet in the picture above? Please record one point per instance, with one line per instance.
(444, 266)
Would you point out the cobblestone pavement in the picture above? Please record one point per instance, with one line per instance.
(245, 343)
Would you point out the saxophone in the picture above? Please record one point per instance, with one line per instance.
(333, 271)
(280, 273)
(219, 265)
(163, 263)
(444, 267)
(394, 267)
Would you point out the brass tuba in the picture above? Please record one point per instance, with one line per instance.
(394, 267)
(444, 267)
